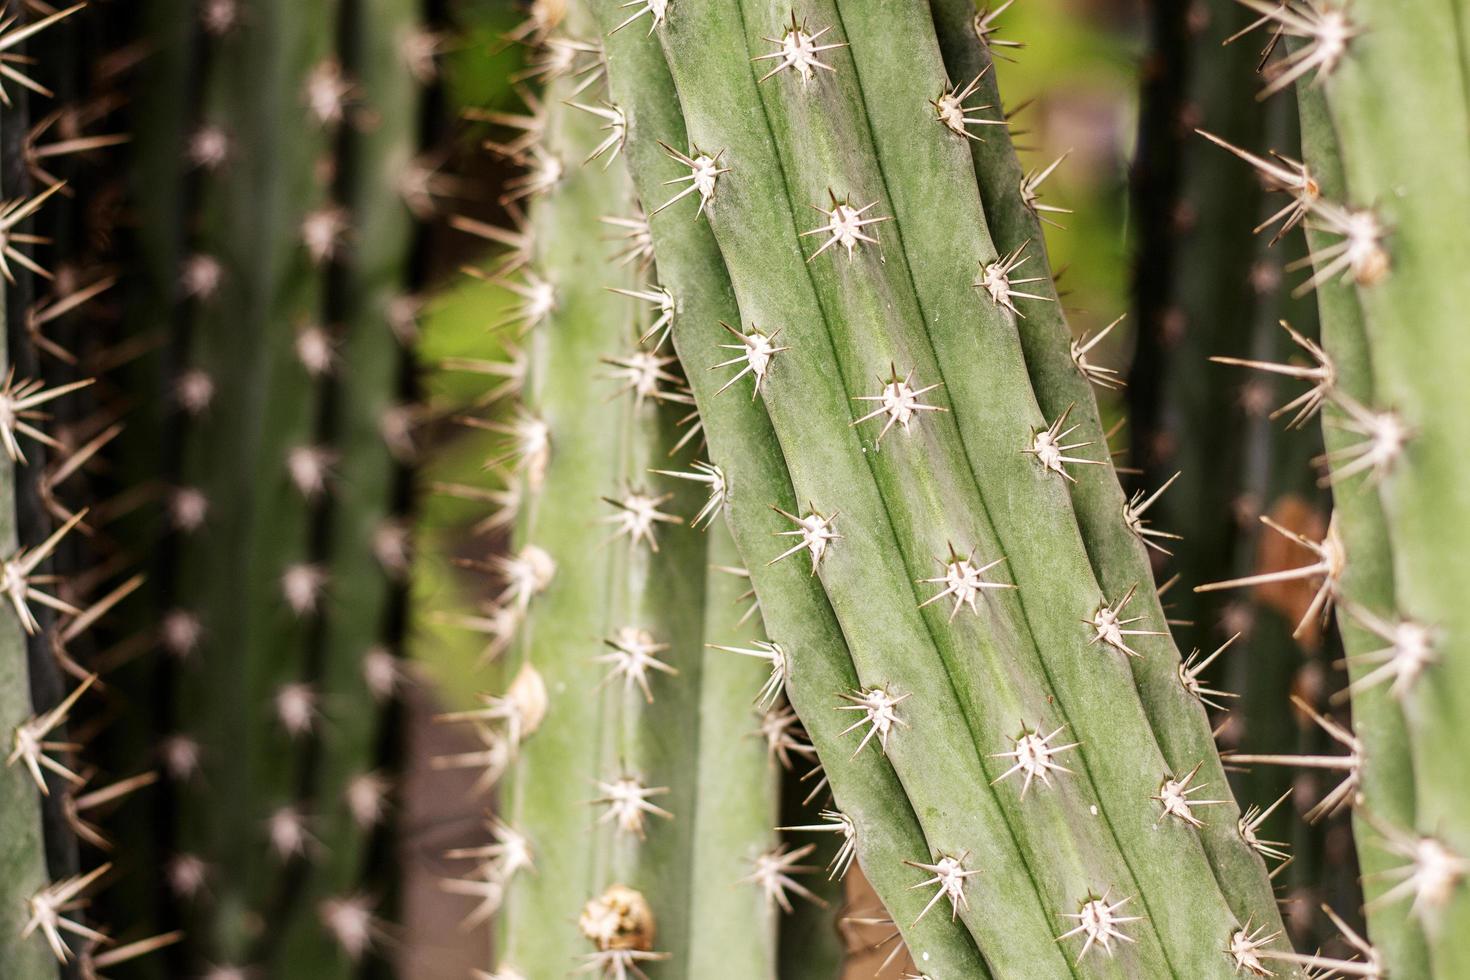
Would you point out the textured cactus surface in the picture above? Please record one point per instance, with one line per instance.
(290, 371)
(815, 620)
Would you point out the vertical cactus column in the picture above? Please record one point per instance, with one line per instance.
(1192, 294)
(603, 713)
(247, 580)
(360, 542)
(45, 930)
(1386, 771)
(309, 122)
(568, 567)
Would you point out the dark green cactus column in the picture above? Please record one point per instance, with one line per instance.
(359, 542)
(308, 125)
(44, 925)
(246, 578)
(1192, 289)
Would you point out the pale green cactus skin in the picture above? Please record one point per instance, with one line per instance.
(692, 740)
(555, 772)
(731, 930)
(1389, 765)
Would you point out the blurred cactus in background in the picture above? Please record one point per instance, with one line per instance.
(294, 273)
(620, 489)
(1206, 289)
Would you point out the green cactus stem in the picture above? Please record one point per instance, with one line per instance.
(618, 726)
(280, 577)
(797, 617)
(1400, 261)
(711, 84)
(362, 538)
(1116, 552)
(1387, 775)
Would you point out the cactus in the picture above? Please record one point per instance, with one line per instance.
(62, 573)
(23, 858)
(879, 520)
(282, 610)
(682, 798)
(811, 553)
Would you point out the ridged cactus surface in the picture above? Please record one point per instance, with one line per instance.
(813, 330)
(813, 604)
(639, 807)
